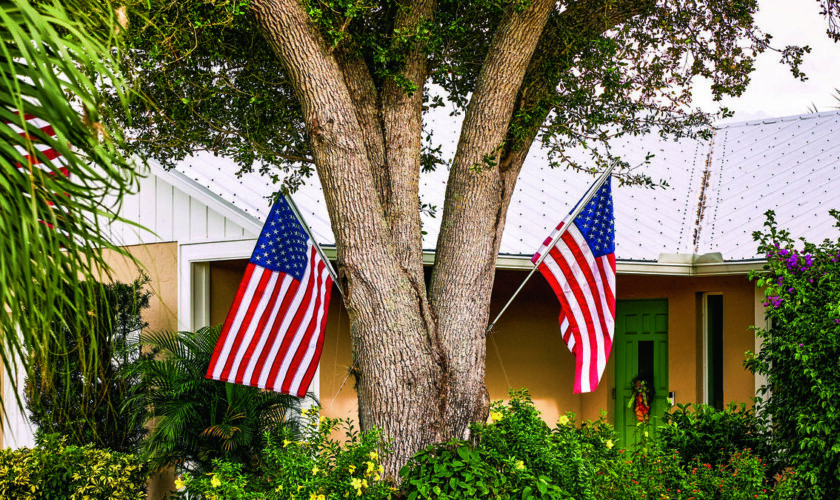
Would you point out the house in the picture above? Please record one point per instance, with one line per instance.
(684, 253)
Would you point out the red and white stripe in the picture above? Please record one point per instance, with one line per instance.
(585, 286)
(273, 335)
(51, 154)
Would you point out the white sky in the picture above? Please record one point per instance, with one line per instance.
(773, 90)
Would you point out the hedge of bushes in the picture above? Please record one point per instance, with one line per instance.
(517, 456)
(52, 470)
(700, 454)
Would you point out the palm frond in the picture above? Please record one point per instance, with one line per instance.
(196, 419)
(56, 58)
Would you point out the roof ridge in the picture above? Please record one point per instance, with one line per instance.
(776, 119)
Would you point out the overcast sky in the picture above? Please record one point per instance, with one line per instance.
(773, 90)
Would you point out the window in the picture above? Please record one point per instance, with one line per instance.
(713, 349)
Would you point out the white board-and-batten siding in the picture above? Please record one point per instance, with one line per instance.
(167, 211)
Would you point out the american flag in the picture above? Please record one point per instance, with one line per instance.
(48, 152)
(581, 270)
(274, 331)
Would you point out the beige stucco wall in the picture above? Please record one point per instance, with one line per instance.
(526, 350)
(160, 262)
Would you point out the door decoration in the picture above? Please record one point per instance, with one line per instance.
(642, 397)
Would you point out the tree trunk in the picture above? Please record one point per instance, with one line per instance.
(473, 215)
(419, 354)
(399, 371)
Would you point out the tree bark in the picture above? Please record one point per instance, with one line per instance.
(465, 264)
(419, 354)
(399, 371)
(402, 114)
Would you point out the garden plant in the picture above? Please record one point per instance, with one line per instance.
(54, 470)
(197, 420)
(513, 456)
(320, 462)
(88, 405)
(799, 355)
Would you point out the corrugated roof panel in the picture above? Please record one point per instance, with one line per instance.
(789, 164)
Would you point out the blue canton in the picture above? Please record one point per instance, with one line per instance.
(597, 224)
(282, 245)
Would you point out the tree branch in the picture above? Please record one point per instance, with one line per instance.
(462, 278)
(403, 123)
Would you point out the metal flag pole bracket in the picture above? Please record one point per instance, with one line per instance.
(560, 232)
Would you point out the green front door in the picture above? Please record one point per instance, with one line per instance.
(641, 351)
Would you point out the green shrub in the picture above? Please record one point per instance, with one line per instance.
(799, 355)
(659, 474)
(740, 477)
(197, 420)
(316, 467)
(54, 471)
(455, 470)
(711, 436)
(82, 400)
(515, 456)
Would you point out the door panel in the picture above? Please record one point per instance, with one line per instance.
(641, 348)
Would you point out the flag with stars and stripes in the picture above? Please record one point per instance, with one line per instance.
(274, 331)
(581, 270)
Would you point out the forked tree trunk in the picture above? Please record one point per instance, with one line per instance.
(419, 353)
(399, 368)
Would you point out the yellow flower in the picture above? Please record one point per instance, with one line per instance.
(364, 483)
(215, 482)
(352, 468)
(179, 483)
(315, 470)
(563, 420)
(380, 469)
(279, 488)
(377, 477)
(610, 443)
(286, 443)
(356, 483)
(373, 455)
(495, 416)
(520, 465)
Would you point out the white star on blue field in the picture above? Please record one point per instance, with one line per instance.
(282, 245)
(596, 222)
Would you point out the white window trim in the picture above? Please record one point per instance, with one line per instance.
(762, 322)
(18, 431)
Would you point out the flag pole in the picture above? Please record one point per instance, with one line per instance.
(577, 210)
(303, 223)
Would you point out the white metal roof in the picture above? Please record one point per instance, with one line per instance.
(790, 165)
